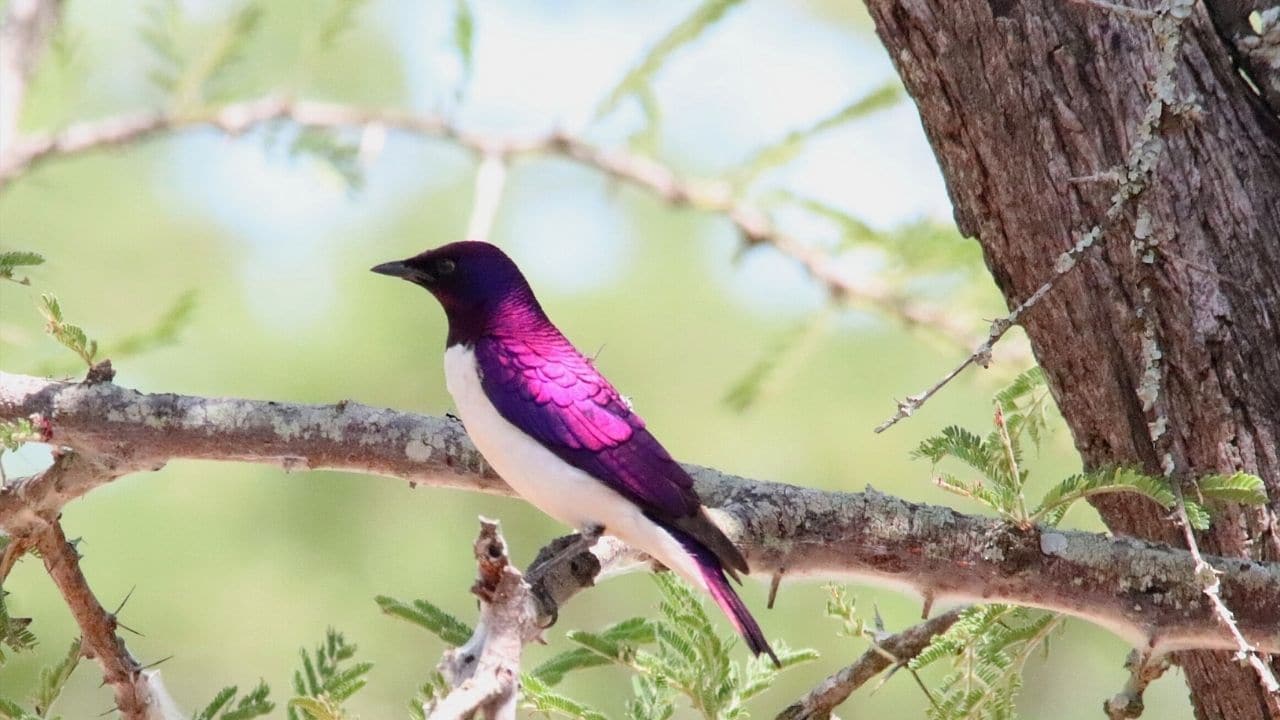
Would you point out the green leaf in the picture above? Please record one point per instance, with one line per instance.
(160, 30)
(315, 709)
(220, 700)
(14, 632)
(464, 22)
(785, 150)
(652, 699)
(15, 259)
(223, 53)
(15, 433)
(448, 628)
(10, 710)
(255, 704)
(53, 679)
(542, 698)
(323, 683)
(1077, 487)
(613, 644)
(325, 145)
(782, 361)
(163, 333)
(987, 648)
(70, 336)
(688, 30)
(341, 17)
(1197, 515)
(1242, 488)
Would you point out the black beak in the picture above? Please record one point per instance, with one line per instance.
(402, 269)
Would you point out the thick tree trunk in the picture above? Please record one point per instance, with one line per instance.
(1020, 99)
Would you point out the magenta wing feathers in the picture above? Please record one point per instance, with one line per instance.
(545, 387)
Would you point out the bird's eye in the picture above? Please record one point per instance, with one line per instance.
(445, 267)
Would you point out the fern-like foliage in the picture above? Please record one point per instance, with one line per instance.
(194, 77)
(615, 643)
(539, 696)
(71, 336)
(165, 332)
(987, 649)
(14, 632)
(677, 653)
(327, 678)
(1020, 408)
(785, 150)
(1025, 403)
(226, 706)
(13, 259)
(690, 658)
(15, 433)
(53, 680)
(464, 28)
(340, 18)
(329, 147)
(639, 78)
(1240, 488)
(428, 693)
(429, 617)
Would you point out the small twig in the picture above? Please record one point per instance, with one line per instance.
(1144, 668)
(891, 651)
(97, 626)
(1212, 585)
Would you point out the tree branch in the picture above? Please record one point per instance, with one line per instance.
(514, 611)
(893, 650)
(638, 171)
(1146, 593)
(97, 626)
(27, 27)
(485, 671)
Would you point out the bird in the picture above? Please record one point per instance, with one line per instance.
(559, 433)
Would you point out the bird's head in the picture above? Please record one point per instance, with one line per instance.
(476, 283)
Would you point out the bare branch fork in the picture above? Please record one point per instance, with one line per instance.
(1147, 593)
(515, 609)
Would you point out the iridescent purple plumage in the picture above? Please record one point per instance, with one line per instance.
(543, 387)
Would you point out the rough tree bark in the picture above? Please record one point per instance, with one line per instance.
(1022, 99)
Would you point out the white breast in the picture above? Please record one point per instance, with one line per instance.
(552, 485)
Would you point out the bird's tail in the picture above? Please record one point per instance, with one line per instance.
(717, 585)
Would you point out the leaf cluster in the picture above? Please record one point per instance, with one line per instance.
(70, 335)
(53, 680)
(226, 706)
(986, 649)
(13, 259)
(995, 459)
(328, 677)
(678, 653)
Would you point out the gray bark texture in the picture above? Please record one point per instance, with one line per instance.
(1020, 100)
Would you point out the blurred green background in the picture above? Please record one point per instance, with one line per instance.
(233, 567)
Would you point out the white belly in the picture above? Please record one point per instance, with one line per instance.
(550, 484)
